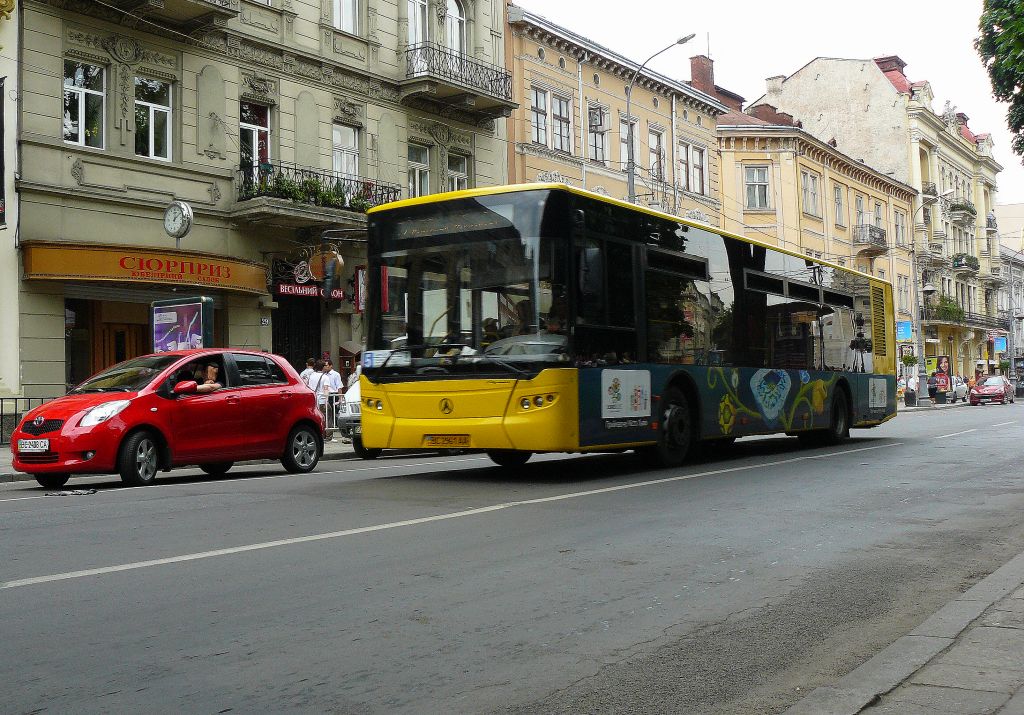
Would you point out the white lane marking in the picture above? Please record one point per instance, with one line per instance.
(954, 434)
(1003, 424)
(412, 522)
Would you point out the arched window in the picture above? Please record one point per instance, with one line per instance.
(418, 22)
(455, 27)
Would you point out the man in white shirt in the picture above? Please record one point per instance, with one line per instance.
(333, 378)
(304, 375)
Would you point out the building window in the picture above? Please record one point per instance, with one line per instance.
(809, 187)
(455, 27)
(624, 133)
(840, 213)
(878, 215)
(901, 228)
(254, 134)
(656, 155)
(346, 150)
(903, 292)
(539, 116)
(698, 171)
(683, 166)
(596, 118)
(458, 172)
(419, 170)
(757, 186)
(860, 211)
(418, 33)
(561, 124)
(84, 91)
(346, 15)
(152, 118)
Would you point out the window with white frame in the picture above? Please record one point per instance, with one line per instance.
(697, 185)
(539, 116)
(253, 134)
(346, 150)
(458, 172)
(878, 215)
(624, 134)
(152, 118)
(346, 15)
(683, 166)
(598, 134)
(809, 187)
(840, 211)
(756, 180)
(455, 27)
(84, 93)
(418, 32)
(901, 227)
(419, 170)
(561, 124)
(860, 210)
(656, 152)
(903, 292)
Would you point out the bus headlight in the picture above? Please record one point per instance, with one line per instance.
(525, 403)
(539, 401)
(379, 405)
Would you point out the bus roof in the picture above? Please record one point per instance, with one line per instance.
(550, 186)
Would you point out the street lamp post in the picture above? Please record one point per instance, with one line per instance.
(922, 369)
(630, 159)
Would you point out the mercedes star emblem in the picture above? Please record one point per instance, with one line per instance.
(446, 406)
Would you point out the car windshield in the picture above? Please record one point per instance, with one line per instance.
(129, 376)
(993, 382)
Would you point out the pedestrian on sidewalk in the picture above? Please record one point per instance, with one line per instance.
(933, 386)
(310, 368)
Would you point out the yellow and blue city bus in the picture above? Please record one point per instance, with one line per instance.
(543, 318)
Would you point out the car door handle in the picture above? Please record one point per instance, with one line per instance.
(233, 398)
(284, 394)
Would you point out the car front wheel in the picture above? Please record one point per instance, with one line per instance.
(303, 450)
(139, 460)
(52, 481)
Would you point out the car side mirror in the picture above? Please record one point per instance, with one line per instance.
(186, 387)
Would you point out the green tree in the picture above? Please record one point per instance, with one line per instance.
(1001, 46)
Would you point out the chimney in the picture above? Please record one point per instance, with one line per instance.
(775, 84)
(890, 63)
(962, 117)
(770, 114)
(702, 74)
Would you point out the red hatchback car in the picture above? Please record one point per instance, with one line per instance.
(151, 413)
(992, 389)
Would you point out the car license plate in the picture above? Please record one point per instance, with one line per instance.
(33, 445)
(446, 440)
(358, 429)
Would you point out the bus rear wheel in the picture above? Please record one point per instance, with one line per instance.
(509, 457)
(838, 429)
(675, 431)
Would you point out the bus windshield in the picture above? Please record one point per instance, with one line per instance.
(477, 282)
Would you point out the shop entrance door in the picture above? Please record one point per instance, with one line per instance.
(296, 334)
(117, 342)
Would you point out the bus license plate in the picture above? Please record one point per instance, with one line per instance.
(33, 445)
(446, 440)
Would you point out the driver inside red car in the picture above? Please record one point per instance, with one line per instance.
(209, 379)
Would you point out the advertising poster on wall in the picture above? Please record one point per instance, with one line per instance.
(943, 371)
(182, 324)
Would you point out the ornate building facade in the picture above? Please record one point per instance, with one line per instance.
(571, 125)
(278, 121)
(881, 117)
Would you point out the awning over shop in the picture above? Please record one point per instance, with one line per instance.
(129, 264)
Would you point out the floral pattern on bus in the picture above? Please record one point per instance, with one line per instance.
(773, 400)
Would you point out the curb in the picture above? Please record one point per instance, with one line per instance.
(887, 669)
(930, 408)
(6, 477)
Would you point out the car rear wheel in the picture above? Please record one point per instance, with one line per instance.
(216, 469)
(365, 452)
(139, 460)
(303, 450)
(509, 457)
(52, 481)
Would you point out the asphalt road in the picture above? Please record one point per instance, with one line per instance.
(440, 585)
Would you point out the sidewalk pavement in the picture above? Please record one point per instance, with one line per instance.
(336, 449)
(901, 407)
(967, 657)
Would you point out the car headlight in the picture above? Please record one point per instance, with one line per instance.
(102, 413)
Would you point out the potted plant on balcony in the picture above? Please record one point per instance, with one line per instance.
(962, 213)
(949, 310)
(286, 188)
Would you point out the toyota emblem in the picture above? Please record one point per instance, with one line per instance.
(446, 406)
(38, 421)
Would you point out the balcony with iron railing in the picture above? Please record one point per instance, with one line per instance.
(966, 263)
(869, 240)
(991, 225)
(946, 315)
(962, 212)
(302, 196)
(438, 75)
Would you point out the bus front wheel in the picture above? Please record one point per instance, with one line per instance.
(509, 457)
(675, 432)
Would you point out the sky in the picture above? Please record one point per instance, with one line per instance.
(751, 40)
